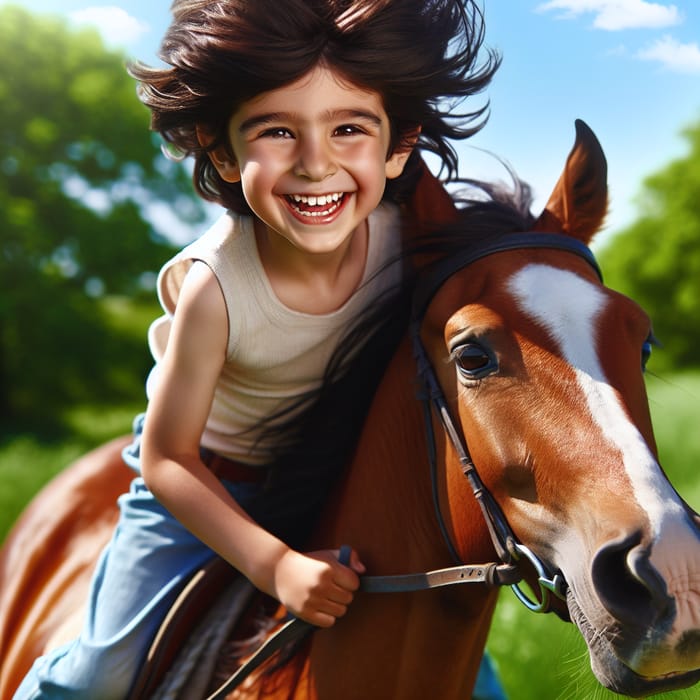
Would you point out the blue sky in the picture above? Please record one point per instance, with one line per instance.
(629, 68)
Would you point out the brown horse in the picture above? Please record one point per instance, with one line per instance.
(539, 368)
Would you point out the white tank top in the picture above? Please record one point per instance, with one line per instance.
(275, 354)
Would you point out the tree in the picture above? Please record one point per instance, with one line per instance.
(79, 172)
(656, 261)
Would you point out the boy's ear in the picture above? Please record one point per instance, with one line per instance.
(220, 158)
(397, 160)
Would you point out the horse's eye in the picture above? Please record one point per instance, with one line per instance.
(473, 361)
(646, 349)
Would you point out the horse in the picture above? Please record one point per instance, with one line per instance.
(532, 451)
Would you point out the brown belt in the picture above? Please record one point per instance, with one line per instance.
(229, 470)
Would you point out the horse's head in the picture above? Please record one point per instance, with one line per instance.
(543, 366)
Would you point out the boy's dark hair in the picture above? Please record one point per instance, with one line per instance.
(419, 55)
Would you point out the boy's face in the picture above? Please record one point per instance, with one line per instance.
(312, 159)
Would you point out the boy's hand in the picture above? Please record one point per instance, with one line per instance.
(316, 587)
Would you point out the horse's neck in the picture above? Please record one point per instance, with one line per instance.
(384, 509)
(385, 493)
(391, 645)
(384, 506)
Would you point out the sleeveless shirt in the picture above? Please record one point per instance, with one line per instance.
(274, 354)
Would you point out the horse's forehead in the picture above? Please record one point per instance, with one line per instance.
(567, 305)
(561, 302)
(571, 308)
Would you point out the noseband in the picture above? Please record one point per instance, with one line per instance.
(506, 544)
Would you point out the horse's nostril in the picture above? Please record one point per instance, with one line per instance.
(627, 584)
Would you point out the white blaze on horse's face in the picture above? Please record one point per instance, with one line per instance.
(655, 551)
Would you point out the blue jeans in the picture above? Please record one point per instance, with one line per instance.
(140, 573)
(488, 686)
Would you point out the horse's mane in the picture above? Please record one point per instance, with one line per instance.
(485, 210)
(316, 437)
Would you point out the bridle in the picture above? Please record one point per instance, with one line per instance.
(508, 549)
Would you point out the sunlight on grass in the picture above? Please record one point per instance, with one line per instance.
(102, 424)
(675, 408)
(24, 467)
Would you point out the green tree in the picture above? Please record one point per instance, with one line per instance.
(79, 173)
(656, 260)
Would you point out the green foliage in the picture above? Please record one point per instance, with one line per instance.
(79, 170)
(27, 462)
(656, 261)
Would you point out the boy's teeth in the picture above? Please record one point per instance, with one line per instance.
(318, 200)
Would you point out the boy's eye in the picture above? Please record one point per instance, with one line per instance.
(348, 130)
(277, 132)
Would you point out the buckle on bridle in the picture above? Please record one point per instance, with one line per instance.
(548, 584)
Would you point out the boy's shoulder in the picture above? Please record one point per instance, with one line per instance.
(228, 230)
(223, 241)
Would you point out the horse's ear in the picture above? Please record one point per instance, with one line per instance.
(579, 202)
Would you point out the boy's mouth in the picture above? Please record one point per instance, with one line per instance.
(316, 206)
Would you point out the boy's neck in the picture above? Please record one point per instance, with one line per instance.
(312, 283)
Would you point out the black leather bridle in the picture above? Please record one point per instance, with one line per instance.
(508, 549)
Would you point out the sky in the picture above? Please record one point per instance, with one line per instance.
(629, 68)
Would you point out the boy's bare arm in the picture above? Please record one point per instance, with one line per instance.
(314, 587)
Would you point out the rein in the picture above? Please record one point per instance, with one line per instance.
(508, 549)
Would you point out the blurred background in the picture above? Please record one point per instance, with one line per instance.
(90, 209)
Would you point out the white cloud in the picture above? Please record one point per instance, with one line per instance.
(116, 26)
(614, 15)
(680, 58)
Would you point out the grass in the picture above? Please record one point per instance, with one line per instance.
(538, 656)
(27, 464)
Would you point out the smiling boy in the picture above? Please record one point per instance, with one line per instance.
(315, 138)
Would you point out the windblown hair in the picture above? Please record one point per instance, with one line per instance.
(421, 56)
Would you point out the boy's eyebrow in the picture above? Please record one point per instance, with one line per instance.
(260, 120)
(329, 116)
(340, 114)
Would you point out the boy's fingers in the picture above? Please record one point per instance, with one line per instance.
(356, 564)
(347, 579)
(349, 557)
(341, 596)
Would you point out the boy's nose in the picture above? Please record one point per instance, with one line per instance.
(314, 160)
